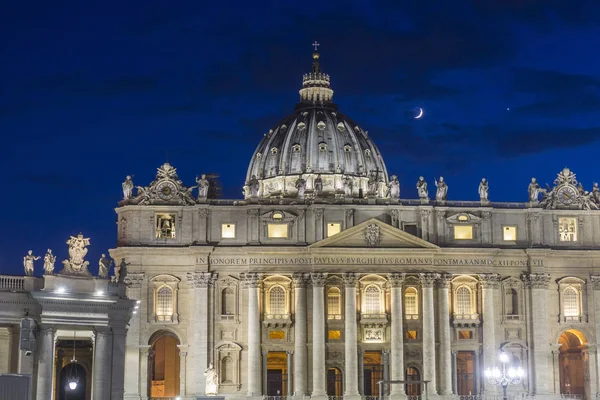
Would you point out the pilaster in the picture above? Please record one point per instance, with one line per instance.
(397, 340)
(445, 357)
(132, 352)
(252, 282)
(350, 345)
(489, 284)
(319, 376)
(45, 370)
(300, 335)
(429, 369)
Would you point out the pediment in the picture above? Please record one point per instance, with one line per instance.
(376, 234)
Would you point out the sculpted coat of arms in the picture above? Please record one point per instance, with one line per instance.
(76, 265)
(372, 235)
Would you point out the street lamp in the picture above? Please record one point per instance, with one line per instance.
(505, 376)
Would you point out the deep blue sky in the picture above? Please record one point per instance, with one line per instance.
(93, 91)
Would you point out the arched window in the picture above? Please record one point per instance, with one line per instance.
(334, 303)
(570, 302)
(277, 300)
(227, 370)
(164, 304)
(227, 302)
(372, 300)
(463, 301)
(411, 308)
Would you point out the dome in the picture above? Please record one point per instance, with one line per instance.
(316, 151)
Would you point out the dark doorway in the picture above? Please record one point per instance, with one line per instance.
(68, 371)
(276, 373)
(413, 389)
(372, 373)
(334, 382)
(465, 373)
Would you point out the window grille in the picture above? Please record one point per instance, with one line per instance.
(372, 300)
(227, 302)
(333, 301)
(571, 302)
(410, 302)
(277, 300)
(463, 301)
(164, 304)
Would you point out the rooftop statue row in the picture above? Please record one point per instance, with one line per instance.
(76, 265)
(340, 188)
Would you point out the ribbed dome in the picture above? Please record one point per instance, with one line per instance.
(316, 141)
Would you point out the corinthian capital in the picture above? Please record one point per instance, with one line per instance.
(428, 279)
(489, 281)
(201, 279)
(445, 280)
(396, 279)
(134, 280)
(251, 279)
(318, 278)
(300, 279)
(350, 278)
(595, 279)
(536, 280)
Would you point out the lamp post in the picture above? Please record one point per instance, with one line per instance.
(506, 376)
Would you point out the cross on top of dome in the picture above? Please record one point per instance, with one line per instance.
(316, 45)
(315, 85)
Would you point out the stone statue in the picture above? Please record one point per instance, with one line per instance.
(127, 188)
(253, 185)
(372, 183)
(596, 193)
(212, 381)
(301, 186)
(203, 185)
(104, 265)
(534, 190)
(483, 189)
(28, 262)
(76, 265)
(348, 185)
(318, 185)
(441, 193)
(121, 271)
(49, 260)
(394, 188)
(422, 189)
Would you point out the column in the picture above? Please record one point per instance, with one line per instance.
(445, 357)
(478, 372)
(397, 339)
(118, 362)
(350, 344)
(289, 386)
(319, 375)
(45, 363)
(489, 282)
(144, 368)
(183, 351)
(102, 362)
(537, 290)
(252, 283)
(199, 281)
(385, 355)
(595, 284)
(454, 377)
(265, 382)
(132, 351)
(427, 281)
(361, 372)
(300, 336)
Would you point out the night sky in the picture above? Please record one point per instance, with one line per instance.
(93, 91)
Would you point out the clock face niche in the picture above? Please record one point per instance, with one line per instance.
(166, 190)
(567, 195)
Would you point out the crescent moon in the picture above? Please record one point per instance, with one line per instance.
(420, 113)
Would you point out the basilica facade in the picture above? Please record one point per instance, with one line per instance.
(323, 280)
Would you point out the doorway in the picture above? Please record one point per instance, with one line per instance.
(69, 371)
(572, 362)
(465, 373)
(165, 366)
(372, 372)
(277, 373)
(334, 382)
(413, 374)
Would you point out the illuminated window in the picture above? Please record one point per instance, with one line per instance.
(570, 302)
(296, 148)
(334, 334)
(322, 147)
(463, 232)
(227, 301)
(410, 334)
(411, 308)
(463, 301)
(465, 335)
(164, 304)
(334, 303)
(463, 217)
(277, 231)
(274, 150)
(277, 215)
(347, 148)
(228, 231)
(567, 229)
(165, 226)
(333, 228)
(509, 233)
(278, 335)
(277, 300)
(372, 300)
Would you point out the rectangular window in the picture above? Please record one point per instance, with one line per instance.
(334, 334)
(333, 228)
(277, 231)
(278, 335)
(567, 229)
(465, 335)
(410, 334)
(463, 232)
(227, 231)
(411, 228)
(509, 233)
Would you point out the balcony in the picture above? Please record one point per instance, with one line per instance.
(466, 320)
(572, 318)
(277, 320)
(335, 317)
(373, 320)
(410, 317)
(227, 317)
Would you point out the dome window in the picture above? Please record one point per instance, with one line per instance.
(357, 129)
(321, 125)
(347, 148)
(258, 155)
(274, 150)
(277, 215)
(296, 148)
(322, 146)
(367, 152)
(301, 126)
(341, 127)
(305, 113)
(283, 128)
